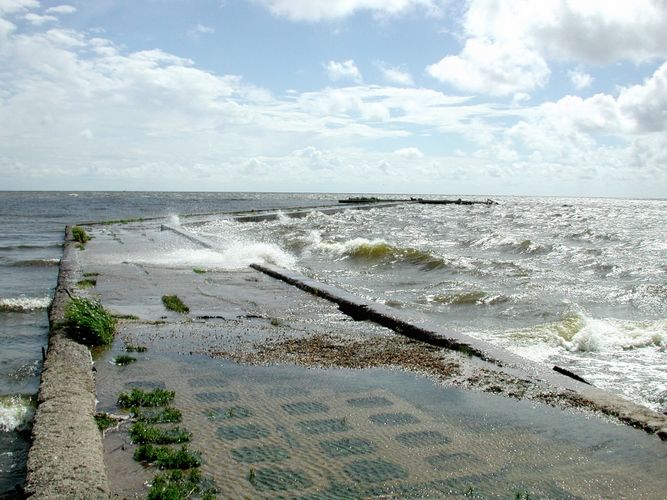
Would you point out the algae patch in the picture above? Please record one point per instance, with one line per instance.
(174, 303)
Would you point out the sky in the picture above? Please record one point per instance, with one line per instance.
(478, 97)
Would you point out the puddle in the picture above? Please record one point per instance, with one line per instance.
(306, 433)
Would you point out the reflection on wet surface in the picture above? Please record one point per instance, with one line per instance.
(305, 433)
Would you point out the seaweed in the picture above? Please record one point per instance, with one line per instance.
(138, 397)
(165, 457)
(88, 322)
(142, 433)
(174, 303)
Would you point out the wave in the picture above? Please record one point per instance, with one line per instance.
(476, 297)
(578, 332)
(23, 304)
(30, 246)
(16, 412)
(36, 263)
(523, 246)
(238, 255)
(379, 250)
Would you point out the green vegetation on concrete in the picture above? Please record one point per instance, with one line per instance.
(121, 221)
(174, 303)
(138, 397)
(165, 457)
(86, 283)
(126, 316)
(148, 434)
(164, 416)
(199, 271)
(80, 236)
(87, 322)
(135, 348)
(177, 485)
(123, 360)
(90, 275)
(104, 421)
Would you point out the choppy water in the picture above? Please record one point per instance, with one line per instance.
(581, 283)
(31, 234)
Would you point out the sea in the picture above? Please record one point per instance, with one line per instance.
(575, 282)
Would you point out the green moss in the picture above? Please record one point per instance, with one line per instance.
(121, 221)
(135, 348)
(104, 421)
(86, 321)
(177, 485)
(167, 458)
(174, 303)
(148, 434)
(199, 271)
(123, 360)
(86, 283)
(138, 397)
(80, 235)
(164, 416)
(126, 316)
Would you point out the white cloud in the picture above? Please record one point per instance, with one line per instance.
(396, 75)
(409, 153)
(492, 68)
(579, 79)
(13, 6)
(507, 44)
(37, 20)
(200, 29)
(345, 70)
(61, 9)
(326, 10)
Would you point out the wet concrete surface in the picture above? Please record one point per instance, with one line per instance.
(287, 395)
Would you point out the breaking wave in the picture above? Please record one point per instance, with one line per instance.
(24, 304)
(522, 246)
(236, 256)
(379, 250)
(578, 332)
(476, 297)
(16, 412)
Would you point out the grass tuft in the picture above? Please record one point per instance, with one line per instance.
(80, 236)
(147, 434)
(135, 348)
(164, 416)
(137, 397)
(199, 271)
(88, 322)
(174, 303)
(177, 485)
(167, 458)
(104, 421)
(86, 283)
(123, 360)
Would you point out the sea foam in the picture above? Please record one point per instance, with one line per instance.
(16, 412)
(24, 304)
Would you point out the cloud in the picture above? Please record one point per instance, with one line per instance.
(508, 44)
(13, 6)
(345, 70)
(61, 9)
(492, 68)
(396, 75)
(579, 79)
(37, 20)
(328, 10)
(409, 153)
(199, 30)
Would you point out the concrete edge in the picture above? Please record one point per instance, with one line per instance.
(66, 459)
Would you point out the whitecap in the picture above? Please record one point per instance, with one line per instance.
(23, 304)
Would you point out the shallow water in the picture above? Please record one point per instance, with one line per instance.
(581, 283)
(309, 433)
(31, 235)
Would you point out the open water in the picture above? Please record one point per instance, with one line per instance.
(581, 283)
